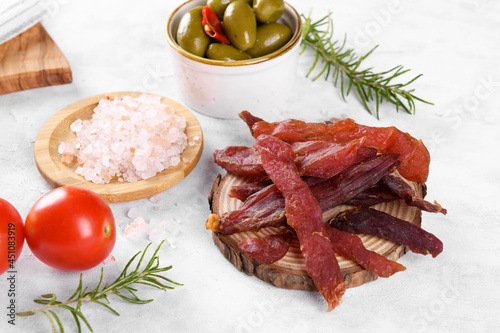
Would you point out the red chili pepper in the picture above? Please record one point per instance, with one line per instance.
(212, 25)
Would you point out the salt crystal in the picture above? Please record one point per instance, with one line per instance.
(156, 208)
(139, 135)
(155, 198)
(137, 228)
(61, 147)
(133, 213)
(172, 242)
(157, 235)
(191, 143)
(196, 138)
(172, 228)
(109, 260)
(76, 125)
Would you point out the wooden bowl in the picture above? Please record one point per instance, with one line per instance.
(56, 173)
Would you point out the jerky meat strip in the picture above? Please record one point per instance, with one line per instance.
(404, 191)
(351, 247)
(304, 215)
(268, 249)
(373, 222)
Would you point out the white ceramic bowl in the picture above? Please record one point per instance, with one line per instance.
(224, 88)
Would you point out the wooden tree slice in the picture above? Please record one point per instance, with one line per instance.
(289, 272)
(32, 60)
(56, 173)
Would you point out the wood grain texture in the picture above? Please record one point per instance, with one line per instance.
(56, 173)
(32, 60)
(289, 272)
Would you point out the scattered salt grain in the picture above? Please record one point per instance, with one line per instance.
(172, 242)
(157, 235)
(156, 208)
(109, 260)
(137, 228)
(133, 213)
(172, 228)
(127, 138)
(196, 138)
(155, 199)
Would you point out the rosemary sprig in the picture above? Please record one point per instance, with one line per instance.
(147, 276)
(343, 65)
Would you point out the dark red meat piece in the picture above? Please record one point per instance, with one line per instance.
(268, 249)
(243, 191)
(240, 161)
(351, 247)
(373, 222)
(262, 209)
(304, 215)
(404, 191)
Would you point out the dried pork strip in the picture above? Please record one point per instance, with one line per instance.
(404, 191)
(351, 247)
(243, 191)
(240, 161)
(373, 196)
(262, 209)
(324, 159)
(348, 184)
(266, 207)
(373, 222)
(415, 157)
(304, 215)
(268, 249)
(313, 158)
(249, 119)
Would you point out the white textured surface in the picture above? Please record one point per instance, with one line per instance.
(119, 45)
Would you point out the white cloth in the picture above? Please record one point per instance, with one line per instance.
(17, 16)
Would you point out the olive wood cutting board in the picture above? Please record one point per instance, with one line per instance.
(56, 173)
(289, 272)
(32, 60)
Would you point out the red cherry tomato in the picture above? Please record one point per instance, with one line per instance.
(71, 228)
(11, 236)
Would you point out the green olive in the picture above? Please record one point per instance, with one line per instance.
(218, 51)
(219, 6)
(190, 34)
(240, 25)
(268, 11)
(270, 37)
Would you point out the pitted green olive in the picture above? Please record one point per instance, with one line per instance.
(219, 6)
(268, 11)
(240, 25)
(218, 51)
(190, 34)
(270, 37)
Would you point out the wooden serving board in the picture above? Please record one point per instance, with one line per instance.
(32, 60)
(56, 173)
(289, 272)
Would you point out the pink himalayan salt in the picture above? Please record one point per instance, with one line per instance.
(137, 228)
(127, 138)
(109, 260)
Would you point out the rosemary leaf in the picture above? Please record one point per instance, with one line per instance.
(148, 276)
(370, 86)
